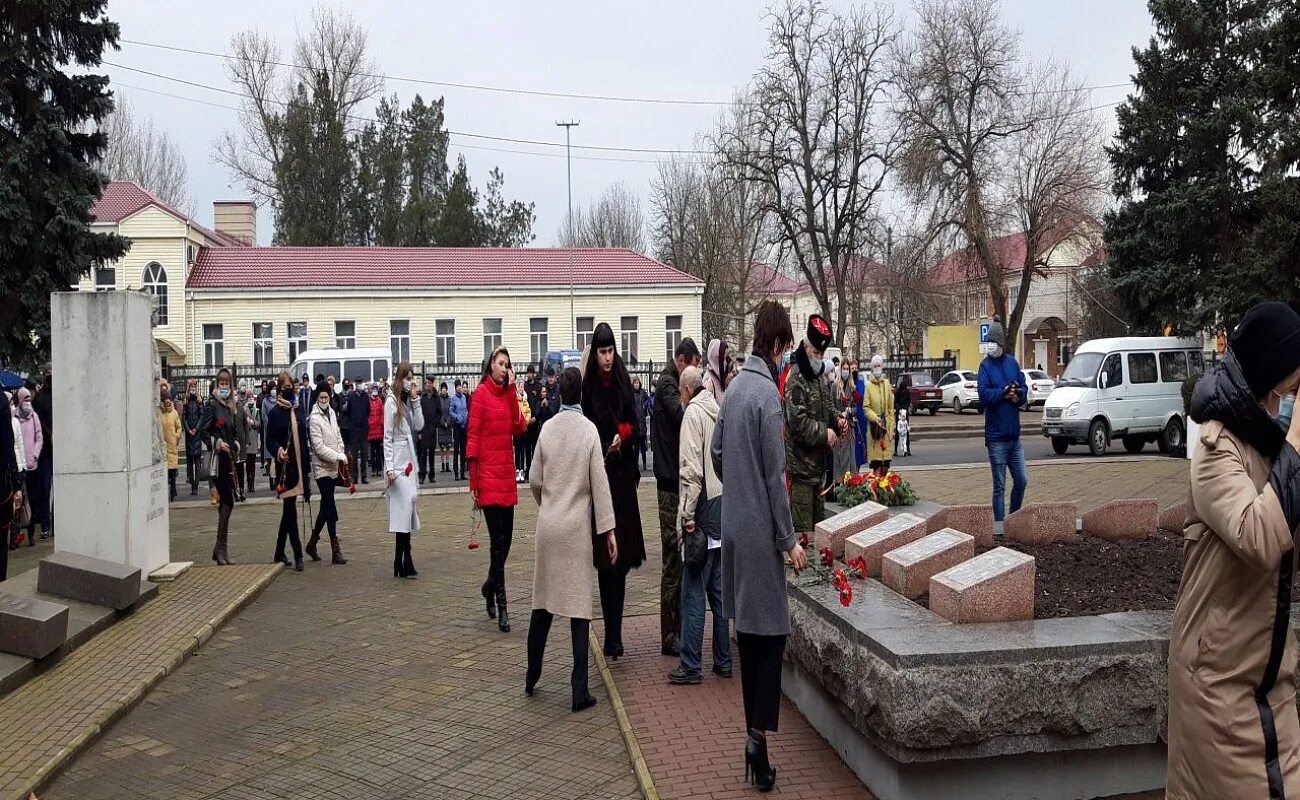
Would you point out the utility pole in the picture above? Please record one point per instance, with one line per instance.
(568, 161)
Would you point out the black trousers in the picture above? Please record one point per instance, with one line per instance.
(250, 471)
(192, 468)
(539, 627)
(500, 522)
(6, 521)
(613, 593)
(521, 452)
(288, 530)
(428, 458)
(171, 484)
(329, 512)
(460, 438)
(376, 457)
(760, 679)
(359, 452)
(875, 465)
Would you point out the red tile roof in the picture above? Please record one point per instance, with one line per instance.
(121, 199)
(301, 267)
(1009, 251)
(764, 278)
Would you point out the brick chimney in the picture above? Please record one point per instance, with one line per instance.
(237, 219)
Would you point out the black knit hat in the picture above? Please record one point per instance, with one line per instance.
(321, 387)
(819, 332)
(1266, 343)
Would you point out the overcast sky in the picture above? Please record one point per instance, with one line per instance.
(671, 49)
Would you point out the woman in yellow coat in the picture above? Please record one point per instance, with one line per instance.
(171, 430)
(878, 405)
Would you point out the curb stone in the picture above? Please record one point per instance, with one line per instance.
(643, 777)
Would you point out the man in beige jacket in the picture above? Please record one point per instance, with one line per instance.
(700, 514)
(1233, 727)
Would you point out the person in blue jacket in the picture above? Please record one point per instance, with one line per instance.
(1002, 394)
(860, 430)
(458, 410)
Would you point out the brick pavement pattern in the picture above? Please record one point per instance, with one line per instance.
(1089, 483)
(54, 715)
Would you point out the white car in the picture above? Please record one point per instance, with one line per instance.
(1040, 386)
(961, 390)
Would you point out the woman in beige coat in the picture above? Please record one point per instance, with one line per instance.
(327, 453)
(1233, 728)
(568, 481)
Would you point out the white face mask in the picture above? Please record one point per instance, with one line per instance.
(877, 372)
(995, 350)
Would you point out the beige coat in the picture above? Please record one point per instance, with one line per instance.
(693, 455)
(171, 428)
(1237, 543)
(568, 482)
(326, 442)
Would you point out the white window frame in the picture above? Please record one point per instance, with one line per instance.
(264, 346)
(399, 343)
(629, 339)
(345, 341)
(444, 343)
(105, 272)
(672, 334)
(214, 349)
(492, 339)
(154, 281)
(296, 345)
(586, 328)
(539, 338)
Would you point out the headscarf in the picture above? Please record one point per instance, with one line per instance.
(24, 403)
(716, 375)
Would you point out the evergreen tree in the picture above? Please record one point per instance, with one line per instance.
(46, 157)
(1205, 163)
(313, 171)
(426, 170)
(362, 189)
(389, 164)
(504, 224)
(459, 224)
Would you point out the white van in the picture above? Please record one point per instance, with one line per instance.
(365, 363)
(1127, 388)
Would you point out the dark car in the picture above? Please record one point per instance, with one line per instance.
(924, 393)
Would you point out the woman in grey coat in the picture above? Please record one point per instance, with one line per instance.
(748, 452)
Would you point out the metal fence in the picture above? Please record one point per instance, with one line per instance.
(934, 367)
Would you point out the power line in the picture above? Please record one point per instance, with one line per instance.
(541, 93)
(488, 137)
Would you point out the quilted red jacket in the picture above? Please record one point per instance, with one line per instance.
(376, 419)
(494, 422)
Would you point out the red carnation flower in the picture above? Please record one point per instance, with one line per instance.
(803, 539)
(624, 431)
(828, 558)
(838, 578)
(409, 467)
(219, 422)
(352, 488)
(846, 595)
(473, 545)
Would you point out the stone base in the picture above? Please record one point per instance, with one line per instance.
(90, 580)
(31, 628)
(170, 572)
(1062, 775)
(1043, 523)
(1123, 520)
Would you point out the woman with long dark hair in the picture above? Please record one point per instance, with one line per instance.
(495, 419)
(219, 432)
(607, 400)
(287, 440)
(403, 421)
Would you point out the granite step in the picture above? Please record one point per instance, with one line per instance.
(997, 586)
(908, 569)
(90, 580)
(891, 534)
(834, 531)
(31, 628)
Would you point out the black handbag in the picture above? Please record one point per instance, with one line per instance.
(708, 525)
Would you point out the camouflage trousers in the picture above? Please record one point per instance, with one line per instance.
(807, 506)
(670, 584)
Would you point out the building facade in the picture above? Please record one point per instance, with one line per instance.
(222, 301)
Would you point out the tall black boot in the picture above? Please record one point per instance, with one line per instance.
(503, 621)
(539, 627)
(312, 552)
(336, 551)
(399, 562)
(490, 597)
(580, 629)
(406, 553)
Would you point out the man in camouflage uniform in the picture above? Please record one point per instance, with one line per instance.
(812, 425)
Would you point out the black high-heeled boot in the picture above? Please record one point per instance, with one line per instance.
(489, 596)
(758, 771)
(503, 620)
(399, 565)
(406, 552)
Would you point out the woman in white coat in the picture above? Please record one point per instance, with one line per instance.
(402, 421)
(327, 452)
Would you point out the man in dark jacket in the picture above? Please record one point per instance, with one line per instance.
(1002, 394)
(190, 418)
(358, 421)
(43, 405)
(431, 408)
(666, 430)
(812, 426)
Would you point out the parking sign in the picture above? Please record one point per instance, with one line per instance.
(984, 333)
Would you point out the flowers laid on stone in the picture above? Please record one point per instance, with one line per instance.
(890, 489)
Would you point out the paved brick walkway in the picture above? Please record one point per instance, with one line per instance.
(1089, 483)
(48, 718)
(693, 737)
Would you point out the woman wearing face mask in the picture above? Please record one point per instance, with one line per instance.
(640, 401)
(375, 433)
(1233, 729)
(269, 393)
(403, 420)
(495, 419)
(219, 431)
(842, 456)
(327, 453)
(607, 402)
(191, 416)
(878, 405)
(286, 436)
(860, 415)
(171, 428)
(521, 442)
(29, 426)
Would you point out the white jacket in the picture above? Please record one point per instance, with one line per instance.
(326, 442)
(20, 453)
(696, 466)
(399, 453)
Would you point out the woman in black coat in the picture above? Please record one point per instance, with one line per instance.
(191, 416)
(608, 402)
(11, 484)
(286, 440)
(218, 429)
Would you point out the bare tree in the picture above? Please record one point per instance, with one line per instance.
(138, 151)
(813, 142)
(992, 148)
(615, 220)
(331, 56)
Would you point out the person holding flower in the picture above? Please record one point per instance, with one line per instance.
(495, 419)
(608, 402)
(286, 433)
(403, 420)
(878, 405)
(218, 431)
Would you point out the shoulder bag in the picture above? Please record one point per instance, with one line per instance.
(708, 525)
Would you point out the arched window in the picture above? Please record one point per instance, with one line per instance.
(155, 283)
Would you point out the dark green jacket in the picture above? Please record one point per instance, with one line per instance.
(809, 414)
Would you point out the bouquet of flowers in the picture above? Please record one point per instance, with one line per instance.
(888, 490)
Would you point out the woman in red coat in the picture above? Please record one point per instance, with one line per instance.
(375, 430)
(494, 421)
